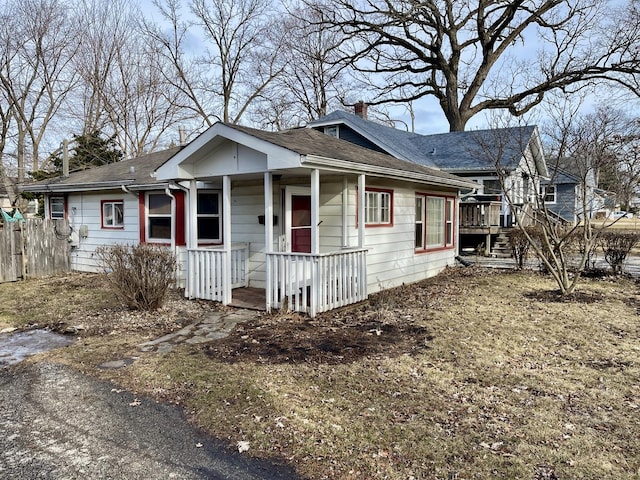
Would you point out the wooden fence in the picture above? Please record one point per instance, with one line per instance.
(33, 248)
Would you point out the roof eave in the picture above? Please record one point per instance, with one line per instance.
(90, 187)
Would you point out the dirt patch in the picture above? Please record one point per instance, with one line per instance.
(296, 339)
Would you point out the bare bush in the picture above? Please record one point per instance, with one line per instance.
(519, 247)
(616, 247)
(140, 275)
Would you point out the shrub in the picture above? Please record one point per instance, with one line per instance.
(616, 247)
(519, 247)
(140, 275)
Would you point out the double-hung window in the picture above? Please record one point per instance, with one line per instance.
(112, 214)
(209, 226)
(158, 217)
(56, 207)
(378, 207)
(434, 227)
(548, 192)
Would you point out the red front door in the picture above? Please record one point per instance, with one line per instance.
(301, 223)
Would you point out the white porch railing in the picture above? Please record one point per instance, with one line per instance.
(314, 283)
(205, 267)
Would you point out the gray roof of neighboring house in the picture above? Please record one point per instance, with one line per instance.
(112, 175)
(561, 177)
(474, 150)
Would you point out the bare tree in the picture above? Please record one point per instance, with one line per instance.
(182, 69)
(227, 76)
(141, 106)
(106, 29)
(239, 50)
(488, 54)
(623, 173)
(35, 76)
(313, 75)
(6, 105)
(579, 145)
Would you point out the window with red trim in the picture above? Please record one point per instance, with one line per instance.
(113, 214)
(434, 227)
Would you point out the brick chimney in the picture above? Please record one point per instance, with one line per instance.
(360, 109)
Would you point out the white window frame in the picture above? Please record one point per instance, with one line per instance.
(113, 204)
(449, 221)
(332, 131)
(419, 233)
(378, 207)
(434, 222)
(149, 216)
(548, 191)
(56, 213)
(211, 215)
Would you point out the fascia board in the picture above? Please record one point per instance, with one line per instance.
(91, 187)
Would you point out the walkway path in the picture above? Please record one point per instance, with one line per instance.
(216, 326)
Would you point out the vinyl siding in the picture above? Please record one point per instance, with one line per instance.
(84, 209)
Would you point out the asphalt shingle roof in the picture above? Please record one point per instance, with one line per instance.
(474, 150)
(122, 172)
(306, 141)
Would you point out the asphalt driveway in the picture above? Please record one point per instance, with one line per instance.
(56, 423)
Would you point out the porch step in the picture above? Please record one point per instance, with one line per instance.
(501, 247)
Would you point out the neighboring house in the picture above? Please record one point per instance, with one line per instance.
(307, 221)
(475, 155)
(568, 190)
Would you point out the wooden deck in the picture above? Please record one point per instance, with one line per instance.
(251, 298)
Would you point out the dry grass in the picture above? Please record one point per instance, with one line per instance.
(472, 374)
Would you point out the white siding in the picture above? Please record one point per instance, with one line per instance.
(247, 203)
(84, 209)
(391, 258)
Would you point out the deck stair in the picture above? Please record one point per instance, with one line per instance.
(501, 247)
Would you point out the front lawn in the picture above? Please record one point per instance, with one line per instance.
(472, 374)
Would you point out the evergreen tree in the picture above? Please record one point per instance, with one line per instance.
(86, 151)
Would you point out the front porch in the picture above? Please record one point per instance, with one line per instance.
(301, 282)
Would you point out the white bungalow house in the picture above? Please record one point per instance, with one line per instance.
(308, 221)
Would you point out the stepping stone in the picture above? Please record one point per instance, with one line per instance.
(165, 348)
(113, 364)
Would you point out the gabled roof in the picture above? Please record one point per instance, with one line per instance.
(300, 148)
(392, 140)
(456, 152)
(134, 172)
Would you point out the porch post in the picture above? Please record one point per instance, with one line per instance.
(226, 239)
(315, 211)
(316, 274)
(345, 212)
(192, 238)
(361, 200)
(268, 235)
(192, 224)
